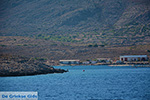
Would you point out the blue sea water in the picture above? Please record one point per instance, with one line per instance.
(95, 83)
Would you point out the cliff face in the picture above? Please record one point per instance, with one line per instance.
(55, 17)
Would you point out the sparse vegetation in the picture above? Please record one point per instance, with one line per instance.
(92, 45)
(91, 24)
(3, 45)
(95, 45)
(52, 50)
(40, 59)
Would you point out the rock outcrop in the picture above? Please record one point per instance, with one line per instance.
(22, 66)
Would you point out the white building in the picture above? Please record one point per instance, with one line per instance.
(93, 62)
(103, 60)
(86, 62)
(69, 61)
(134, 58)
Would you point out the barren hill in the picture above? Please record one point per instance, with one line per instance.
(52, 50)
(110, 22)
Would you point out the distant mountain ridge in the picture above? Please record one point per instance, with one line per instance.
(90, 21)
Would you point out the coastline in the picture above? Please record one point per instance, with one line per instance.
(133, 65)
(122, 65)
(15, 74)
(13, 65)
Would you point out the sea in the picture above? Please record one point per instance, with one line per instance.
(85, 83)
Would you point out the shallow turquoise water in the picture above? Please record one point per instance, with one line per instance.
(97, 82)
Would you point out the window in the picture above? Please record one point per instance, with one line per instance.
(121, 59)
(143, 59)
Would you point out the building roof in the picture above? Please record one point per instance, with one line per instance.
(69, 60)
(134, 56)
(103, 58)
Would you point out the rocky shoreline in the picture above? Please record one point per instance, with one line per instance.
(12, 74)
(11, 65)
(5, 73)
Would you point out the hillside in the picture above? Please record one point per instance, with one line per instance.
(53, 51)
(106, 22)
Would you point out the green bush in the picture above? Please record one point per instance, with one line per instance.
(3, 45)
(148, 51)
(90, 45)
(95, 45)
